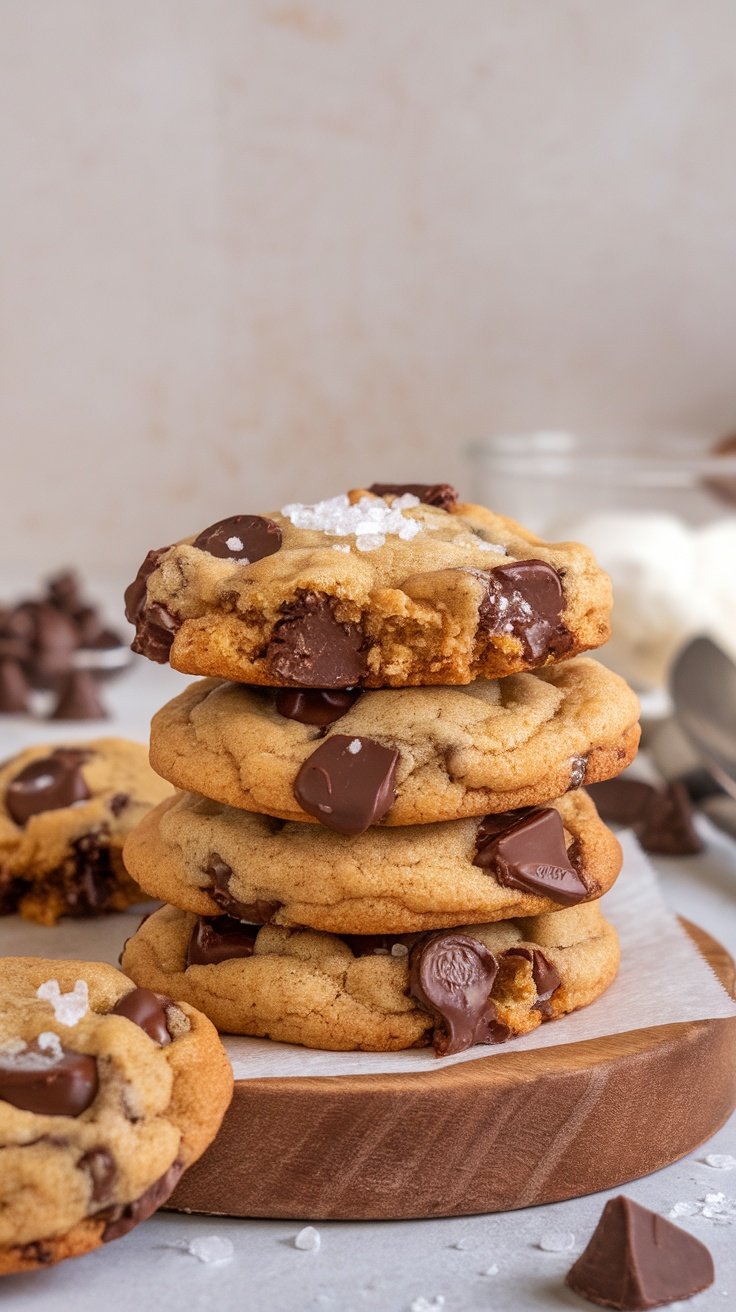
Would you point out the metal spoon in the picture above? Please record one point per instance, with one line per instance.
(703, 688)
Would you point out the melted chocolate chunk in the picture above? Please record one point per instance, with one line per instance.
(347, 783)
(245, 538)
(526, 850)
(37, 1082)
(259, 912)
(49, 784)
(147, 1010)
(135, 593)
(220, 938)
(318, 706)
(526, 601)
(79, 699)
(102, 1171)
(155, 625)
(442, 495)
(636, 1259)
(545, 975)
(15, 692)
(309, 647)
(124, 1217)
(89, 882)
(451, 976)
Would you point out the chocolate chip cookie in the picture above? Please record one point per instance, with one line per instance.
(385, 587)
(207, 858)
(454, 988)
(107, 1093)
(64, 815)
(350, 759)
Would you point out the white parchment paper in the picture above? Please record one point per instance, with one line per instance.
(663, 979)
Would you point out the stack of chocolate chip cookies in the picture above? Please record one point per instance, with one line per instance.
(381, 840)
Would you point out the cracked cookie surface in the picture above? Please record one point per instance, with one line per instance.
(367, 590)
(483, 983)
(101, 1111)
(490, 746)
(206, 858)
(65, 812)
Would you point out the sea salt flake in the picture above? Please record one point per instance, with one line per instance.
(720, 1161)
(557, 1241)
(491, 1270)
(12, 1047)
(234, 544)
(355, 746)
(422, 1304)
(308, 1240)
(50, 1043)
(462, 1244)
(368, 520)
(370, 541)
(482, 545)
(684, 1208)
(341, 546)
(211, 1248)
(401, 950)
(69, 1008)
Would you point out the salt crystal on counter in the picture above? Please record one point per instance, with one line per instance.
(308, 1240)
(422, 1304)
(557, 1241)
(69, 1008)
(720, 1162)
(211, 1248)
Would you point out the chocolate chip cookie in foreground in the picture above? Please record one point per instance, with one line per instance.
(367, 590)
(207, 858)
(64, 815)
(107, 1093)
(442, 753)
(452, 989)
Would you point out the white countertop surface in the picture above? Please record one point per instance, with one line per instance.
(372, 1266)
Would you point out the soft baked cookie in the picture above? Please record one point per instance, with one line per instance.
(107, 1093)
(456, 988)
(426, 754)
(64, 815)
(367, 589)
(207, 858)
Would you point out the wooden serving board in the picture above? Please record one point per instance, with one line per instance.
(489, 1135)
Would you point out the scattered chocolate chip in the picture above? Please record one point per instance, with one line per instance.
(525, 599)
(47, 785)
(259, 912)
(621, 801)
(318, 706)
(666, 826)
(118, 803)
(636, 1259)
(451, 976)
(35, 1081)
(347, 783)
(246, 538)
(545, 975)
(442, 495)
(79, 699)
(526, 850)
(220, 938)
(311, 648)
(100, 1166)
(15, 693)
(124, 1217)
(147, 1010)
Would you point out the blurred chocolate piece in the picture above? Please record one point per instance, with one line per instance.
(14, 689)
(724, 489)
(79, 699)
(636, 1259)
(621, 801)
(667, 827)
(53, 644)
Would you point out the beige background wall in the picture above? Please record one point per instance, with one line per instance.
(263, 249)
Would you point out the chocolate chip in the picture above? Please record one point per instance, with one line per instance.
(526, 850)
(156, 626)
(147, 1010)
(621, 801)
(451, 976)
(636, 1259)
(15, 693)
(38, 1082)
(525, 600)
(246, 538)
(259, 912)
(100, 1166)
(90, 882)
(135, 593)
(442, 495)
(47, 785)
(124, 1217)
(545, 975)
(220, 938)
(319, 706)
(311, 648)
(118, 803)
(347, 783)
(79, 699)
(666, 826)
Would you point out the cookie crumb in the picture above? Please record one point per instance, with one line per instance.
(308, 1240)
(211, 1248)
(69, 1008)
(557, 1241)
